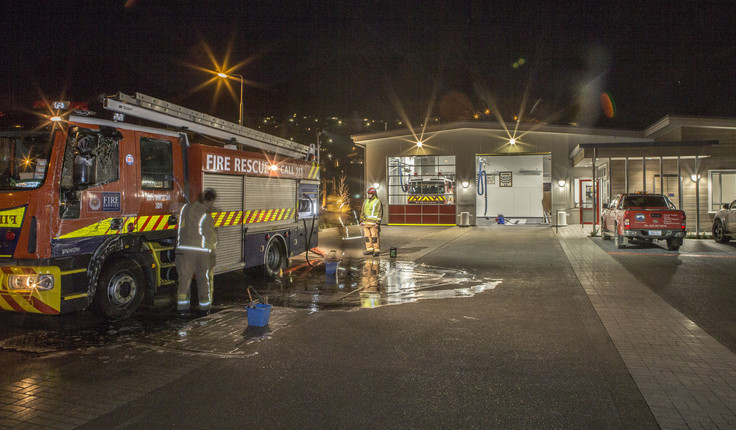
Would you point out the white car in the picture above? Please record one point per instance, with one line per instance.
(724, 224)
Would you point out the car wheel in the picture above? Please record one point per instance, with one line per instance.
(718, 233)
(674, 244)
(620, 240)
(604, 231)
(119, 290)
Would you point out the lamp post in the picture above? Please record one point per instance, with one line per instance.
(225, 76)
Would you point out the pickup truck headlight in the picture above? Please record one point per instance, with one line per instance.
(30, 282)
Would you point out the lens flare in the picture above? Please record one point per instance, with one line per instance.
(608, 106)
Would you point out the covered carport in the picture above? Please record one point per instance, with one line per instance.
(661, 167)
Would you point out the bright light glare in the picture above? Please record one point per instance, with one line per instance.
(222, 75)
(512, 141)
(561, 183)
(419, 144)
(274, 167)
(55, 118)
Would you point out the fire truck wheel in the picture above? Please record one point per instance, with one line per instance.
(274, 258)
(119, 290)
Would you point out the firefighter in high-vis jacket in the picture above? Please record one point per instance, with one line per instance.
(195, 252)
(370, 219)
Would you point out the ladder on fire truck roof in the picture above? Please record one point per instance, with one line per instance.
(163, 112)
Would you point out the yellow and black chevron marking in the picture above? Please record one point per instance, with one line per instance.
(129, 225)
(427, 199)
(224, 219)
(313, 172)
(147, 223)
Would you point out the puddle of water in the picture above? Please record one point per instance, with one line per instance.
(371, 282)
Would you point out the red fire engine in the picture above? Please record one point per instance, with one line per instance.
(88, 210)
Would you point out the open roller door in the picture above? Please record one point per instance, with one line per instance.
(509, 185)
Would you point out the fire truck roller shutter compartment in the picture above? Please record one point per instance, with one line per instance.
(228, 218)
(511, 185)
(269, 201)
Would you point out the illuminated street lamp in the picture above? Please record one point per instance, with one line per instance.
(225, 76)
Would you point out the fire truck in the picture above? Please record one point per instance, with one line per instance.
(430, 191)
(88, 209)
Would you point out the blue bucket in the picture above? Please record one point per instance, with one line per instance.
(331, 266)
(258, 316)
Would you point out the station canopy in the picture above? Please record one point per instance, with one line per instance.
(623, 150)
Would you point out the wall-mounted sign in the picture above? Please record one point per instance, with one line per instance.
(504, 179)
(491, 179)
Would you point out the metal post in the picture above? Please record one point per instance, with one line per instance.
(240, 113)
(626, 173)
(240, 122)
(661, 174)
(697, 198)
(679, 183)
(595, 190)
(610, 178)
(644, 172)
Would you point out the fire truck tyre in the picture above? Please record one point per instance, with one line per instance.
(119, 290)
(620, 240)
(718, 233)
(674, 244)
(274, 258)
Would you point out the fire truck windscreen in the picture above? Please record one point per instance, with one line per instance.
(23, 160)
(429, 187)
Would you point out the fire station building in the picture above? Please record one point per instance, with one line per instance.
(469, 173)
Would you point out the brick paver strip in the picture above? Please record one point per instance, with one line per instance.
(686, 376)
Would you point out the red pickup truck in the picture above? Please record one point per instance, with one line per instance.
(645, 217)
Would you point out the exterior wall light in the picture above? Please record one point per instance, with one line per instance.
(561, 183)
(419, 144)
(695, 177)
(465, 184)
(376, 185)
(512, 141)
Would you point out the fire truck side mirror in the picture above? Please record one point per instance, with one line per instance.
(83, 168)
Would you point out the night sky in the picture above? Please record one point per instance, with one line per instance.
(380, 60)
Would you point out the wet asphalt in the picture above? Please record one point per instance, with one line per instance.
(525, 349)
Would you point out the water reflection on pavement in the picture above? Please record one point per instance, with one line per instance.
(370, 282)
(303, 288)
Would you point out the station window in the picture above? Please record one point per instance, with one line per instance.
(428, 179)
(156, 164)
(722, 188)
